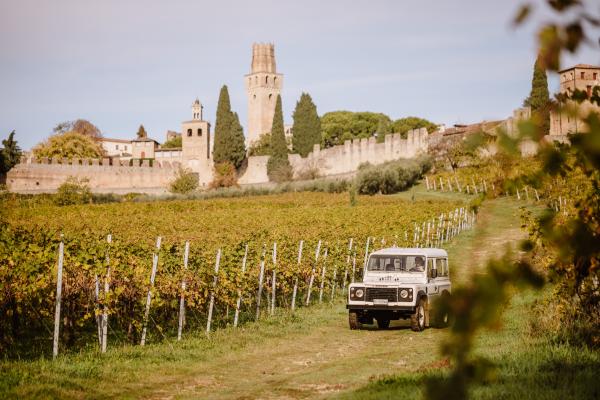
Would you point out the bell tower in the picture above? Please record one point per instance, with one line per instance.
(196, 143)
(263, 85)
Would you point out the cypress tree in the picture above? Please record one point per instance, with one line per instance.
(539, 98)
(307, 126)
(141, 133)
(229, 135)
(10, 154)
(278, 167)
(237, 144)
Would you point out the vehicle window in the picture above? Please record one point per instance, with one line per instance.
(397, 263)
(430, 266)
(442, 267)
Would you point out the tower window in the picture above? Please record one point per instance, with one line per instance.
(266, 79)
(254, 97)
(583, 75)
(589, 90)
(274, 79)
(189, 132)
(199, 131)
(270, 95)
(595, 75)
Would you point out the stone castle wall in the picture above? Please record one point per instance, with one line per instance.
(42, 176)
(343, 159)
(39, 176)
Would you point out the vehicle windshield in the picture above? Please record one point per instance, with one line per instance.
(381, 263)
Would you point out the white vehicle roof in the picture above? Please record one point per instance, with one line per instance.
(403, 251)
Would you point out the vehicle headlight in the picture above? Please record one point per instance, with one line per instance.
(404, 293)
(357, 293)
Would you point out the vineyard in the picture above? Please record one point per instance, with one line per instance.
(144, 271)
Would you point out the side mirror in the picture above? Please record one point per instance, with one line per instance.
(434, 273)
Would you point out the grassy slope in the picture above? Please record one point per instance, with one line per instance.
(528, 365)
(314, 354)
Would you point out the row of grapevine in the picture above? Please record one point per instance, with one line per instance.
(105, 285)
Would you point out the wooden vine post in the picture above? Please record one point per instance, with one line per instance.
(238, 304)
(273, 281)
(347, 266)
(149, 296)
(105, 305)
(212, 293)
(312, 274)
(261, 276)
(59, 274)
(366, 256)
(323, 276)
(186, 253)
(295, 290)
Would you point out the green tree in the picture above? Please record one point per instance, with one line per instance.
(339, 126)
(10, 153)
(229, 134)
(185, 182)
(307, 126)
(141, 133)
(174, 143)
(403, 125)
(383, 128)
(278, 167)
(69, 145)
(237, 142)
(261, 147)
(539, 98)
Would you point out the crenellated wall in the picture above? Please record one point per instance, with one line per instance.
(46, 175)
(39, 176)
(347, 157)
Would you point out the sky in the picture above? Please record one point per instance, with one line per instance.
(122, 63)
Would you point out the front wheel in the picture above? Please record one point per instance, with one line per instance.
(417, 320)
(353, 320)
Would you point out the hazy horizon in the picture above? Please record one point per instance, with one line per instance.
(122, 64)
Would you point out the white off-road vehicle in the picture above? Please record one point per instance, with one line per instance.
(400, 283)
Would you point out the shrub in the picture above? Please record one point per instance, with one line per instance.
(185, 182)
(225, 176)
(309, 174)
(391, 177)
(279, 169)
(73, 191)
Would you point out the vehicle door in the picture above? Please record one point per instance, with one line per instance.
(442, 279)
(432, 286)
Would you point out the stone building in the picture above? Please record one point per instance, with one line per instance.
(117, 148)
(196, 145)
(263, 85)
(582, 77)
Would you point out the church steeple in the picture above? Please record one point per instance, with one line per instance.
(197, 110)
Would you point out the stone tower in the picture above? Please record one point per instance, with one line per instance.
(263, 84)
(582, 77)
(196, 143)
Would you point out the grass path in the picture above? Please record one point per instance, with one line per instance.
(312, 354)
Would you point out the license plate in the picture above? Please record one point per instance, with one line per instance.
(380, 301)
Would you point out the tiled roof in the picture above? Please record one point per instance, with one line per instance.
(104, 139)
(580, 66)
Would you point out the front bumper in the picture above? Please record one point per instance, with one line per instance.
(380, 307)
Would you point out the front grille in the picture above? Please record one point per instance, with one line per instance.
(382, 294)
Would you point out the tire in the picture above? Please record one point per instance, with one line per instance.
(383, 323)
(417, 320)
(353, 320)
